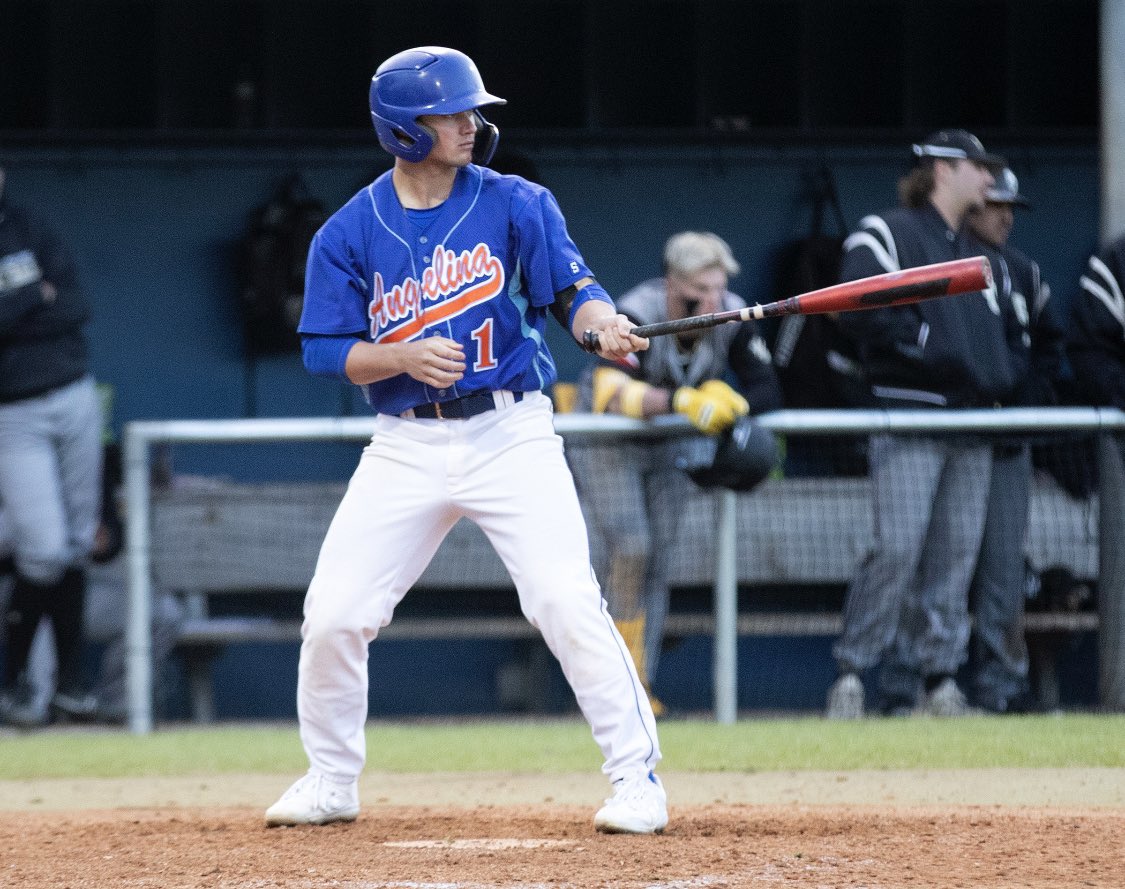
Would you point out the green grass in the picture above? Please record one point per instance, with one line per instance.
(565, 745)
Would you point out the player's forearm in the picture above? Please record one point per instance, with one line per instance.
(591, 315)
(372, 362)
(433, 360)
(607, 328)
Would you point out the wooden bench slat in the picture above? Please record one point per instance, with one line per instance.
(242, 537)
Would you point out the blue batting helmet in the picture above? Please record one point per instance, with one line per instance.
(428, 80)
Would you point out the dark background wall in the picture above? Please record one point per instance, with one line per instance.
(733, 65)
(149, 130)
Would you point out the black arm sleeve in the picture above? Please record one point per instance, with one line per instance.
(560, 308)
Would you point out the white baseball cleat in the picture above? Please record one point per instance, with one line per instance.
(945, 700)
(639, 805)
(845, 698)
(315, 799)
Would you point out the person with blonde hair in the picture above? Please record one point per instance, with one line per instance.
(634, 491)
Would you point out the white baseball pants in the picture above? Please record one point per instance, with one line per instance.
(505, 470)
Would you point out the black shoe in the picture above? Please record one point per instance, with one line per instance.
(17, 708)
(74, 706)
(111, 714)
(896, 705)
(1022, 704)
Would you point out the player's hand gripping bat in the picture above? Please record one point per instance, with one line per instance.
(877, 292)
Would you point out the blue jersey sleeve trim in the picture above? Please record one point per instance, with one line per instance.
(591, 291)
(327, 355)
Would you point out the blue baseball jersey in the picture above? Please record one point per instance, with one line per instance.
(481, 269)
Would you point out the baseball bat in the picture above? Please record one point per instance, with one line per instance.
(876, 292)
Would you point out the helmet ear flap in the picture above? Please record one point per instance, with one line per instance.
(403, 138)
(396, 138)
(485, 141)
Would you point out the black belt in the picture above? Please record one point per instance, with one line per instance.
(460, 408)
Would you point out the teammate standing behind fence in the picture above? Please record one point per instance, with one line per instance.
(633, 491)
(1096, 344)
(999, 589)
(50, 456)
(929, 492)
(430, 289)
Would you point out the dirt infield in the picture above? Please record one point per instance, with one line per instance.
(994, 828)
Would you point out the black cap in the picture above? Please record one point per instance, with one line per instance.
(1006, 190)
(953, 144)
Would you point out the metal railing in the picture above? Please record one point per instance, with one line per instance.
(140, 436)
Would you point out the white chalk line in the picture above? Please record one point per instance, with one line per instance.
(489, 844)
(700, 882)
(692, 883)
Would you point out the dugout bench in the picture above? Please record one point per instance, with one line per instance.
(228, 539)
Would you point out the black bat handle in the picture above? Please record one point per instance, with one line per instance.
(659, 328)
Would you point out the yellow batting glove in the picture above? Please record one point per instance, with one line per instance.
(719, 389)
(613, 386)
(708, 412)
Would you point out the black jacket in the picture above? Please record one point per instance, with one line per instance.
(42, 346)
(949, 352)
(1096, 346)
(1040, 359)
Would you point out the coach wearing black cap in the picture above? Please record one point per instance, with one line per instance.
(953, 145)
(929, 492)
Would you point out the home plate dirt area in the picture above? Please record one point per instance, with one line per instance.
(475, 843)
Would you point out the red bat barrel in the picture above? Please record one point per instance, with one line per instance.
(891, 289)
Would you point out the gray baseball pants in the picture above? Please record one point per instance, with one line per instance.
(633, 497)
(50, 478)
(998, 593)
(929, 503)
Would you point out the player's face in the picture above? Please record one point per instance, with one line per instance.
(453, 137)
(971, 181)
(992, 223)
(699, 293)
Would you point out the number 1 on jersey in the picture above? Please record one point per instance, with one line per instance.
(486, 360)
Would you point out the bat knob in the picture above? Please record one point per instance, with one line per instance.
(590, 341)
(986, 268)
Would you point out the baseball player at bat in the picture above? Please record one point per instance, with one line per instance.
(431, 290)
(634, 491)
(930, 493)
